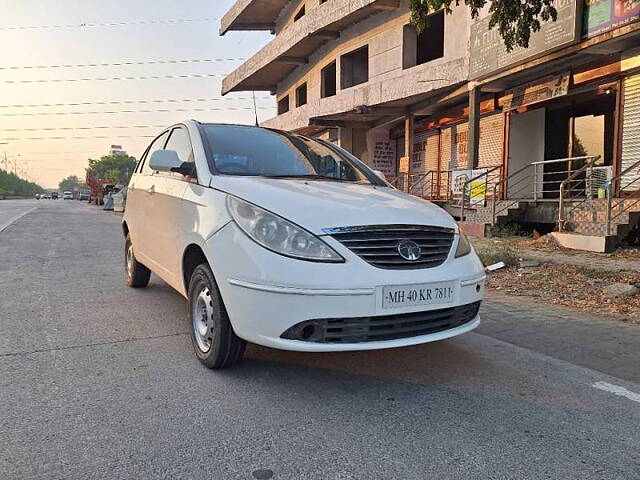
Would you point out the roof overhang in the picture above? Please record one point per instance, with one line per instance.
(293, 46)
(252, 15)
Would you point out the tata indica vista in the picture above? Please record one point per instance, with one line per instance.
(293, 243)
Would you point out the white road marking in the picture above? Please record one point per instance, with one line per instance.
(617, 390)
(15, 219)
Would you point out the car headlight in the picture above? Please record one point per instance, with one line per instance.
(279, 235)
(464, 247)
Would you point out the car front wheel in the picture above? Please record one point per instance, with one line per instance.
(214, 341)
(136, 274)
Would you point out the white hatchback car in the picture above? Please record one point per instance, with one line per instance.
(292, 243)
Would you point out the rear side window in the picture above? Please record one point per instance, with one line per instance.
(157, 144)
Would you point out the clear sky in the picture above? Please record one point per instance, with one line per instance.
(54, 42)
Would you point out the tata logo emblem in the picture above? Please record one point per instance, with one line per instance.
(409, 250)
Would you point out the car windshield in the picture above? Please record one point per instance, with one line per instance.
(251, 151)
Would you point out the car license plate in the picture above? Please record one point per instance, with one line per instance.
(421, 294)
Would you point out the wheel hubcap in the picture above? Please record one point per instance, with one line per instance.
(130, 260)
(202, 317)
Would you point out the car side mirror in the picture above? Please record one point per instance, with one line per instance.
(168, 161)
(380, 174)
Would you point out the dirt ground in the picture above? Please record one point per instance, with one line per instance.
(560, 276)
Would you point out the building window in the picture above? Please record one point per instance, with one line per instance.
(328, 83)
(429, 45)
(300, 14)
(301, 95)
(283, 105)
(354, 67)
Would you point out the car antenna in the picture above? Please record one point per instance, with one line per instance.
(255, 108)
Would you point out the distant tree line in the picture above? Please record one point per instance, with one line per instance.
(71, 184)
(11, 184)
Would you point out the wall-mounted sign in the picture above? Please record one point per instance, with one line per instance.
(403, 167)
(489, 55)
(600, 16)
(384, 153)
(538, 91)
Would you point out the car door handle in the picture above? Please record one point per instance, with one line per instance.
(151, 189)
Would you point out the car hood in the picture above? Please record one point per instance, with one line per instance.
(315, 205)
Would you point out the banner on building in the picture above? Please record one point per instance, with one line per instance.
(384, 153)
(601, 16)
(489, 55)
(538, 91)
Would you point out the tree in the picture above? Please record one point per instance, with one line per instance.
(70, 184)
(515, 19)
(113, 168)
(11, 184)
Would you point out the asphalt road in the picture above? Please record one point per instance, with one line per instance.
(98, 380)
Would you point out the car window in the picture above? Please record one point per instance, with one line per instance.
(179, 142)
(157, 144)
(251, 151)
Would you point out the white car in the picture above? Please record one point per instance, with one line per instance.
(292, 243)
(67, 196)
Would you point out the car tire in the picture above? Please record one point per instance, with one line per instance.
(136, 274)
(215, 343)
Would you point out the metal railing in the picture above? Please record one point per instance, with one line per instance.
(613, 187)
(575, 186)
(432, 185)
(479, 185)
(536, 181)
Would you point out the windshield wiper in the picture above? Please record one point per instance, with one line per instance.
(311, 177)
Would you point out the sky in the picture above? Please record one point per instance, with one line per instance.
(57, 37)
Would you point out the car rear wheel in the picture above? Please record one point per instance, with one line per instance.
(214, 341)
(136, 274)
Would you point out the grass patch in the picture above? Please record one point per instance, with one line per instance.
(599, 274)
(498, 253)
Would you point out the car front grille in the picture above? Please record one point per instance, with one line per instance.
(378, 244)
(385, 327)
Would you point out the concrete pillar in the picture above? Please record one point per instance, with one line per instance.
(473, 140)
(409, 121)
(345, 138)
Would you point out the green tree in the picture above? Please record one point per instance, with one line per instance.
(515, 19)
(71, 184)
(113, 168)
(11, 184)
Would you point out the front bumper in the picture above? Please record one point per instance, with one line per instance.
(266, 294)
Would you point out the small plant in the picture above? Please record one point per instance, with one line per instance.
(507, 230)
(499, 253)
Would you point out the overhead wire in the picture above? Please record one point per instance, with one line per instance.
(122, 64)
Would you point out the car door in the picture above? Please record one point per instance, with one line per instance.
(166, 212)
(140, 204)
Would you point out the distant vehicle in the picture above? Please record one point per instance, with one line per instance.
(293, 243)
(37, 196)
(54, 196)
(84, 194)
(67, 195)
(44, 196)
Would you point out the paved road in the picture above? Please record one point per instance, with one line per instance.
(99, 381)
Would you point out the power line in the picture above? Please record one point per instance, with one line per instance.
(110, 24)
(122, 64)
(100, 127)
(166, 110)
(128, 102)
(104, 137)
(101, 79)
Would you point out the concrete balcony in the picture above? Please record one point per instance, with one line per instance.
(293, 46)
(390, 96)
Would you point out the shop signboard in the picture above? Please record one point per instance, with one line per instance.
(489, 55)
(477, 190)
(538, 91)
(600, 16)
